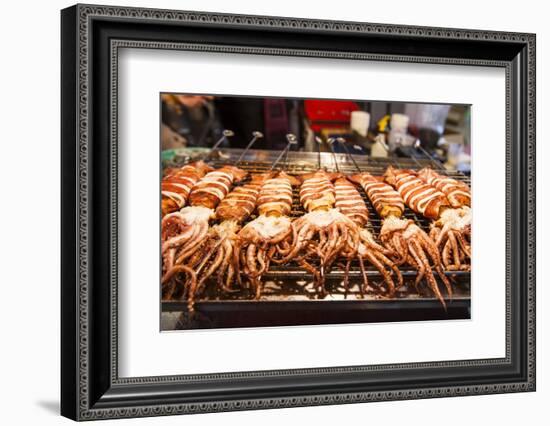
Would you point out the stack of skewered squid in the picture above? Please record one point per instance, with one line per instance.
(208, 235)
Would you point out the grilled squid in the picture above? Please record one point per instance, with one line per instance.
(447, 202)
(219, 251)
(458, 193)
(259, 239)
(183, 233)
(409, 243)
(351, 204)
(176, 185)
(324, 233)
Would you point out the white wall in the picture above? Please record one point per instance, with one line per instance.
(29, 225)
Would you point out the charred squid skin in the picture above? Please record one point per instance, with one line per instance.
(465, 246)
(420, 257)
(222, 238)
(388, 262)
(427, 245)
(301, 240)
(193, 226)
(346, 278)
(262, 264)
(214, 245)
(286, 245)
(168, 289)
(237, 262)
(224, 266)
(377, 256)
(191, 295)
(251, 261)
(450, 232)
(211, 269)
(323, 234)
(194, 260)
(421, 272)
(228, 279)
(168, 277)
(400, 247)
(333, 239)
(404, 233)
(180, 239)
(227, 266)
(446, 255)
(330, 257)
(387, 277)
(312, 270)
(173, 256)
(259, 240)
(168, 259)
(368, 240)
(202, 231)
(351, 246)
(454, 245)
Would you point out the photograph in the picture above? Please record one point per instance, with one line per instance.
(270, 210)
(292, 211)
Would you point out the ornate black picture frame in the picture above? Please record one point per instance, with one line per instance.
(91, 37)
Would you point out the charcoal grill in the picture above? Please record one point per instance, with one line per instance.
(289, 297)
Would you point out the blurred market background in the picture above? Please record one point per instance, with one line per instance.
(194, 123)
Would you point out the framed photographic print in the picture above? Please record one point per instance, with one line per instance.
(263, 212)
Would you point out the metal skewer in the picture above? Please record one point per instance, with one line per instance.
(291, 141)
(330, 142)
(413, 157)
(342, 142)
(438, 164)
(348, 152)
(319, 142)
(225, 134)
(255, 136)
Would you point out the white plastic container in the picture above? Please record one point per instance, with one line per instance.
(399, 122)
(359, 122)
(379, 148)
